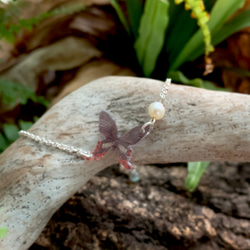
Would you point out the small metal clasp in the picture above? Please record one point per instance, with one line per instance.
(150, 123)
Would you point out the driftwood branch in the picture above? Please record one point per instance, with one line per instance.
(36, 180)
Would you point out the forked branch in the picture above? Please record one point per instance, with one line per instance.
(35, 180)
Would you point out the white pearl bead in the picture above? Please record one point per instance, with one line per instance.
(156, 110)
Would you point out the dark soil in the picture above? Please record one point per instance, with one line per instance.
(156, 213)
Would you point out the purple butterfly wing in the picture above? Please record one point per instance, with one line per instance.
(107, 126)
(108, 129)
(134, 136)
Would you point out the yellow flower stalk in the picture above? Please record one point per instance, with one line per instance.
(198, 11)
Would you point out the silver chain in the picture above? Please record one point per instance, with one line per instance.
(77, 151)
(165, 88)
(163, 94)
(69, 149)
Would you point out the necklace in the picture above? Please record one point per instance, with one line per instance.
(111, 140)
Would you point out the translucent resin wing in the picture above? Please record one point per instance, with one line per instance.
(108, 129)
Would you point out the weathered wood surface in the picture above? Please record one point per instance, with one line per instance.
(36, 180)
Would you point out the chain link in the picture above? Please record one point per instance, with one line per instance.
(79, 152)
(69, 149)
(165, 88)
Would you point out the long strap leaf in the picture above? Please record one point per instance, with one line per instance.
(120, 14)
(145, 29)
(152, 29)
(221, 11)
(195, 172)
(135, 10)
(239, 22)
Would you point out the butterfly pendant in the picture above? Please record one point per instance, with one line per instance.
(108, 129)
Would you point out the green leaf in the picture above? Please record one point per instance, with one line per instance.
(24, 125)
(10, 131)
(11, 93)
(151, 38)
(178, 76)
(35, 118)
(177, 36)
(27, 24)
(238, 23)
(135, 10)
(221, 11)
(239, 71)
(3, 142)
(145, 29)
(209, 4)
(40, 99)
(7, 35)
(212, 86)
(195, 172)
(3, 231)
(120, 14)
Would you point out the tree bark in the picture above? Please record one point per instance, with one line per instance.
(36, 180)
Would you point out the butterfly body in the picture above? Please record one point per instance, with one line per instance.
(108, 129)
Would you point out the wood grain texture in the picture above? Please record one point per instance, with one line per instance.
(36, 180)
